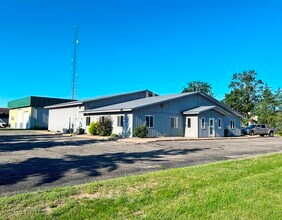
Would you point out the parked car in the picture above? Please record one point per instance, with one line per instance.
(3, 124)
(258, 130)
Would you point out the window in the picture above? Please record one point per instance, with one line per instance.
(219, 123)
(203, 123)
(149, 121)
(174, 122)
(189, 122)
(102, 119)
(87, 121)
(120, 121)
(263, 126)
(232, 124)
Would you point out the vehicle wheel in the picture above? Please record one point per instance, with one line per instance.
(262, 135)
(271, 134)
(252, 133)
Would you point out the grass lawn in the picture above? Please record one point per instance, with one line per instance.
(244, 189)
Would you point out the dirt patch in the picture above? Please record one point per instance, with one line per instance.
(139, 213)
(47, 210)
(95, 195)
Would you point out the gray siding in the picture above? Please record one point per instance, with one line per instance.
(65, 118)
(237, 130)
(219, 132)
(163, 112)
(162, 124)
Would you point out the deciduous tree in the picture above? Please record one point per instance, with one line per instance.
(198, 86)
(245, 92)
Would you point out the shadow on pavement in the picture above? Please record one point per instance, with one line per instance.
(50, 170)
(10, 143)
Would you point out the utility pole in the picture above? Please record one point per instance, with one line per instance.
(74, 63)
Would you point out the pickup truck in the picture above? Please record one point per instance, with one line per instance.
(258, 129)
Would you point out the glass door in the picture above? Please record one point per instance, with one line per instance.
(211, 127)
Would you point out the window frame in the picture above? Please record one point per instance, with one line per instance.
(232, 124)
(88, 120)
(153, 124)
(120, 122)
(203, 127)
(219, 124)
(189, 122)
(175, 122)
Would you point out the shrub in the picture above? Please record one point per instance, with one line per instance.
(140, 132)
(106, 126)
(114, 135)
(94, 128)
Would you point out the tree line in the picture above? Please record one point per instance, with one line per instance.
(250, 96)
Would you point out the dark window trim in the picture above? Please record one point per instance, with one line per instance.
(88, 121)
(151, 121)
(120, 119)
(203, 127)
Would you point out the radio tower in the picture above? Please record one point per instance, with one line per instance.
(74, 63)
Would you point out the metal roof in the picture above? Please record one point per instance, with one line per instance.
(35, 101)
(81, 102)
(198, 110)
(139, 103)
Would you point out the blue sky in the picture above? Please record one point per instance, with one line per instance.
(136, 44)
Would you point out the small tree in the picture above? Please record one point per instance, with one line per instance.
(140, 132)
(106, 126)
(94, 128)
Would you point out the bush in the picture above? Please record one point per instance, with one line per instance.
(105, 126)
(94, 128)
(114, 135)
(140, 132)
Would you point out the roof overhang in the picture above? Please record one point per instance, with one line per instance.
(93, 111)
(66, 104)
(222, 105)
(198, 110)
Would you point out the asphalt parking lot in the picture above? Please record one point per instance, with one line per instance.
(31, 160)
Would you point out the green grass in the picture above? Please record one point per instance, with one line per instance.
(244, 189)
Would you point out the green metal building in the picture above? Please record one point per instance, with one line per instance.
(29, 112)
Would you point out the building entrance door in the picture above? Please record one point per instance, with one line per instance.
(191, 126)
(211, 127)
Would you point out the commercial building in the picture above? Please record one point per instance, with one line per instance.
(29, 112)
(69, 116)
(192, 114)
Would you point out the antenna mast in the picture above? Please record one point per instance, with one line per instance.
(74, 63)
